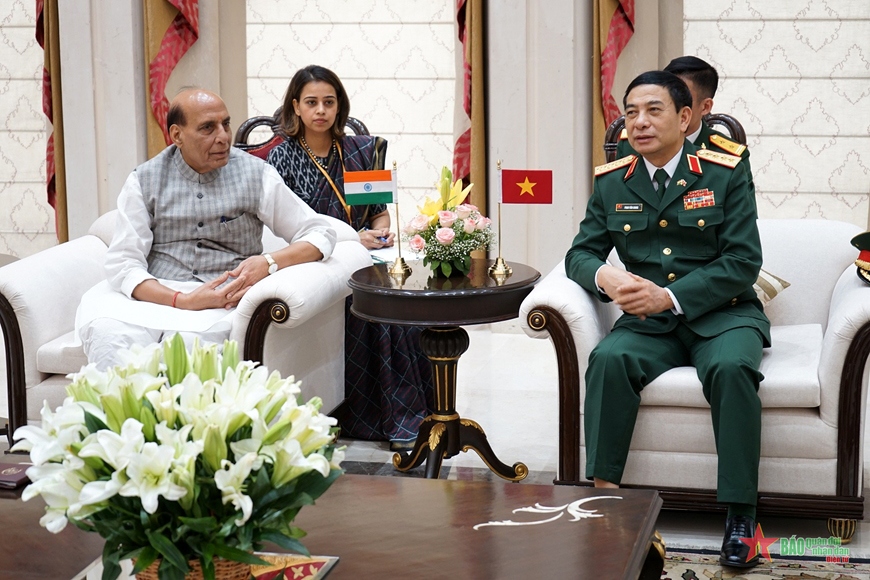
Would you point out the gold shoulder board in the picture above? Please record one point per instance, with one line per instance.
(614, 165)
(732, 147)
(718, 158)
(623, 135)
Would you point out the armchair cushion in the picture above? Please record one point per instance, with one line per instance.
(63, 355)
(767, 286)
(790, 369)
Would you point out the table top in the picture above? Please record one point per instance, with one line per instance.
(423, 299)
(395, 527)
(30, 552)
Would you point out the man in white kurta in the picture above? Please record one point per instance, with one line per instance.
(187, 242)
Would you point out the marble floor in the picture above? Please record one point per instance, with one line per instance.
(507, 383)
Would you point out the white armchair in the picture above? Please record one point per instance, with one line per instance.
(812, 394)
(292, 321)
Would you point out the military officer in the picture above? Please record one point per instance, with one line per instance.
(702, 80)
(683, 222)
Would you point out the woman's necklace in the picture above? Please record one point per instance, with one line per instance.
(322, 161)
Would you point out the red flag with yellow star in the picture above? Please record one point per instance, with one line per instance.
(526, 186)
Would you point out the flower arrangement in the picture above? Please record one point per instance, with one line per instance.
(447, 231)
(175, 457)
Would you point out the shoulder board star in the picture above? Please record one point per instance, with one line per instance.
(623, 135)
(614, 165)
(719, 158)
(732, 147)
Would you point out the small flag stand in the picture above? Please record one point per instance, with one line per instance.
(399, 269)
(500, 271)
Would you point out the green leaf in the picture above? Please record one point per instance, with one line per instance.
(167, 549)
(94, 423)
(203, 525)
(446, 268)
(229, 553)
(111, 566)
(285, 542)
(168, 572)
(145, 558)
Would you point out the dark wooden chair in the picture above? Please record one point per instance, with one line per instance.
(614, 131)
(262, 149)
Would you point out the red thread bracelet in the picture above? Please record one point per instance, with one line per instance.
(175, 297)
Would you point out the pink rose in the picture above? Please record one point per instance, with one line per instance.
(468, 226)
(446, 219)
(417, 243)
(483, 223)
(464, 210)
(445, 235)
(419, 223)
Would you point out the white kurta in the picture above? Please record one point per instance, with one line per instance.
(126, 260)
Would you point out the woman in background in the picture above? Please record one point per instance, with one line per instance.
(388, 380)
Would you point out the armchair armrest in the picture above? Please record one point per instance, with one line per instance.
(294, 295)
(38, 299)
(575, 321)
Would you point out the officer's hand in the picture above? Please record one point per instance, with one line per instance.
(610, 278)
(252, 270)
(642, 297)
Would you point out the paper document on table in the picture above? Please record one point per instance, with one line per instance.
(384, 255)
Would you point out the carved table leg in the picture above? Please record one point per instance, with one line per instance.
(443, 432)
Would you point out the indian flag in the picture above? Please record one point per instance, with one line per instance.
(369, 187)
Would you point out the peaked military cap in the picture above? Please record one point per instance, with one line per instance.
(862, 242)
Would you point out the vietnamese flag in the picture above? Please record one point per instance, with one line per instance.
(526, 186)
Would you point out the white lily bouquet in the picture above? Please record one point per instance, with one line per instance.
(177, 457)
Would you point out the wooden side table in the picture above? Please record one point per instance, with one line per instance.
(442, 305)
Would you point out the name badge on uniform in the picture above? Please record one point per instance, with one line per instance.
(632, 207)
(698, 198)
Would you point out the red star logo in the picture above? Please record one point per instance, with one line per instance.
(758, 543)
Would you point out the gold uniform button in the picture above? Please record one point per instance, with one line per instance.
(626, 228)
(672, 277)
(663, 223)
(701, 223)
(733, 301)
(666, 251)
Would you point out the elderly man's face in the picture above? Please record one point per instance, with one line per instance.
(655, 128)
(204, 140)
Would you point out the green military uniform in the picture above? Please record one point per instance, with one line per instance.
(708, 138)
(700, 240)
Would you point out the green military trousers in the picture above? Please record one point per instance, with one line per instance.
(624, 362)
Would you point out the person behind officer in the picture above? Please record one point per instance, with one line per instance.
(683, 222)
(703, 81)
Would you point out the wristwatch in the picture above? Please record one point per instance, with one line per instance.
(273, 265)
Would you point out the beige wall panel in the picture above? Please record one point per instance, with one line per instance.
(19, 13)
(21, 159)
(812, 206)
(773, 49)
(815, 107)
(21, 108)
(795, 12)
(808, 164)
(362, 50)
(25, 208)
(331, 11)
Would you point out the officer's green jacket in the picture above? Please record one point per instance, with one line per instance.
(700, 240)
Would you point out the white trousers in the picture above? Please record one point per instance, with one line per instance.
(102, 337)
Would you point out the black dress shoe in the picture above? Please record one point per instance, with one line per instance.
(734, 551)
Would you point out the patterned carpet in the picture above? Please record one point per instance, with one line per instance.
(694, 566)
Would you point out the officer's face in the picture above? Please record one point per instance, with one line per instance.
(655, 128)
(205, 138)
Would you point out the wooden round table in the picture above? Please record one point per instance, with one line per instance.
(442, 305)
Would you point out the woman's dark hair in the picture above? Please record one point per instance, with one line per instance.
(290, 122)
(675, 86)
